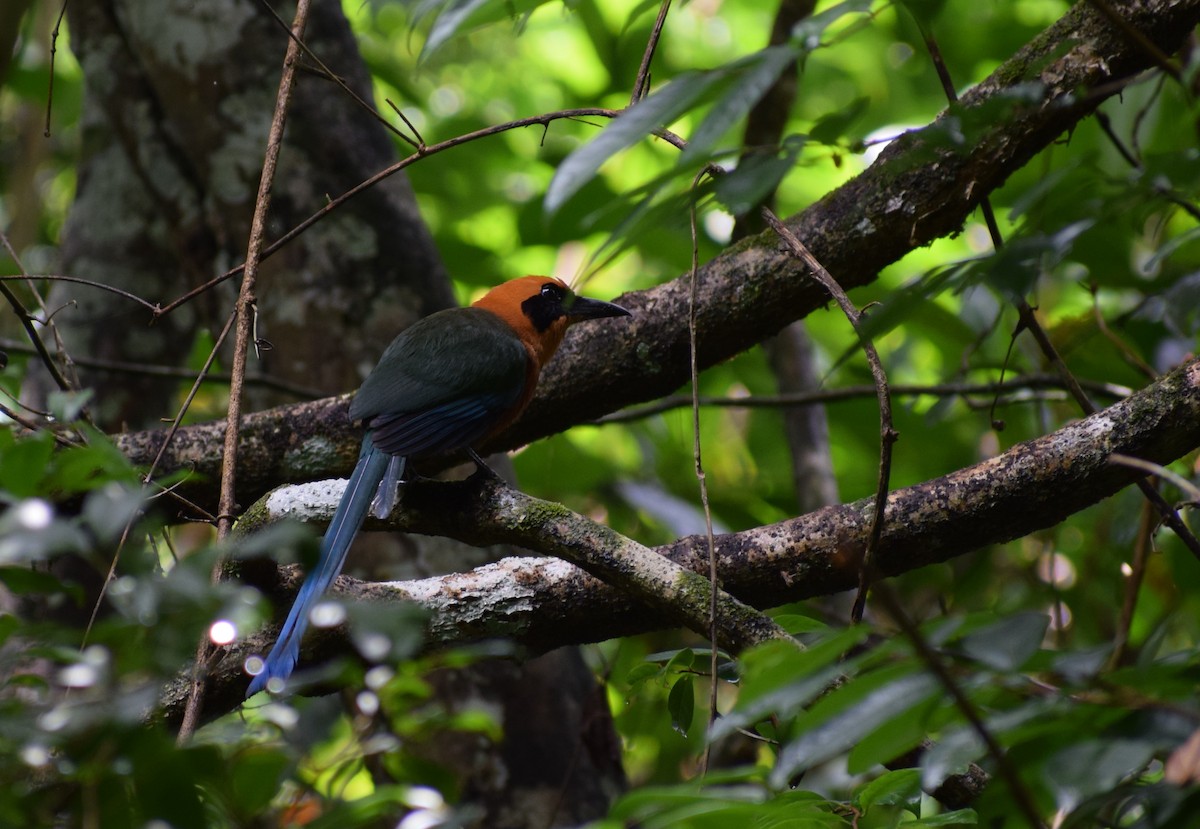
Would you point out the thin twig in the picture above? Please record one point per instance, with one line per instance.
(337, 79)
(1020, 793)
(641, 84)
(53, 54)
(1142, 545)
(177, 421)
(887, 433)
(173, 372)
(1028, 383)
(51, 277)
(34, 426)
(1158, 471)
(148, 476)
(1131, 356)
(702, 479)
(242, 340)
(27, 320)
(425, 151)
(1106, 127)
(1027, 319)
(417, 140)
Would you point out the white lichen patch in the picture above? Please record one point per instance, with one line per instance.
(186, 34)
(317, 498)
(236, 165)
(511, 582)
(1098, 428)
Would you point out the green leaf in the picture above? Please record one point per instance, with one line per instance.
(829, 736)
(681, 660)
(681, 704)
(630, 127)
(829, 128)
(808, 32)
(641, 672)
(1009, 643)
(24, 581)
(1093, 766)
(756, 176)
(457, 16)
(899, 734)
(747, 85)
(899, 787)
(254, 776)
(1015, 268)
(23, 464)
(9, 624)
(958, 747)
(65, 406)
(959, 817)
(905, 302)
(797, 623)
(720, 807)
(780, 680)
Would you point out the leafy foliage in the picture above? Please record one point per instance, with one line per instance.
(1100, 232)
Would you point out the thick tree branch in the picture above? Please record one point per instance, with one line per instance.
(916, 192)
(541, 603)
(484, 511)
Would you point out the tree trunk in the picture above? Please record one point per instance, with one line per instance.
(178, 100)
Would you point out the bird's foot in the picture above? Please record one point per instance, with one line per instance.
(481, 467)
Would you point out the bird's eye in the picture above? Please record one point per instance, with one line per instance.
(551, 291)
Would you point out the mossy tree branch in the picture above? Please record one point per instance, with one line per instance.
(916, 192)
(541, 603)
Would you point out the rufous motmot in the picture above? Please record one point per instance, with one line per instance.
(446, 384)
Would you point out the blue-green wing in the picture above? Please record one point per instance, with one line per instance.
(443, 384)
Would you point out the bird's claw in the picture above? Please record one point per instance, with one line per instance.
(481, 467)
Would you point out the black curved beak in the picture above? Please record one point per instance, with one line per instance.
(584, 308)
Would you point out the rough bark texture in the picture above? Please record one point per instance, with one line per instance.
(541, 604)
(178, 101)
(910, 196)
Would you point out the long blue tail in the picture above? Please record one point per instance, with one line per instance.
(360, 489)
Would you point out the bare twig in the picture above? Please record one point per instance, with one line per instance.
(641, 85)
(150, 306)
(1027, 383)
(27, 319)
(173, 372)
(933, 661)
(424, 151)
(244, 336)
(702, 480)
(1142, 545)
(337, 79)
(887, 433)
(1160, 471)
(1027, 319)
(53, 54)
(1132, 357)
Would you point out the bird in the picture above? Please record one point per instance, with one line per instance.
(446, 384)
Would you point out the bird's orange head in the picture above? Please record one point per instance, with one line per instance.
(540, 309)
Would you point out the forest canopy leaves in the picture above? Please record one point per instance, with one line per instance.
(1074, 648)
